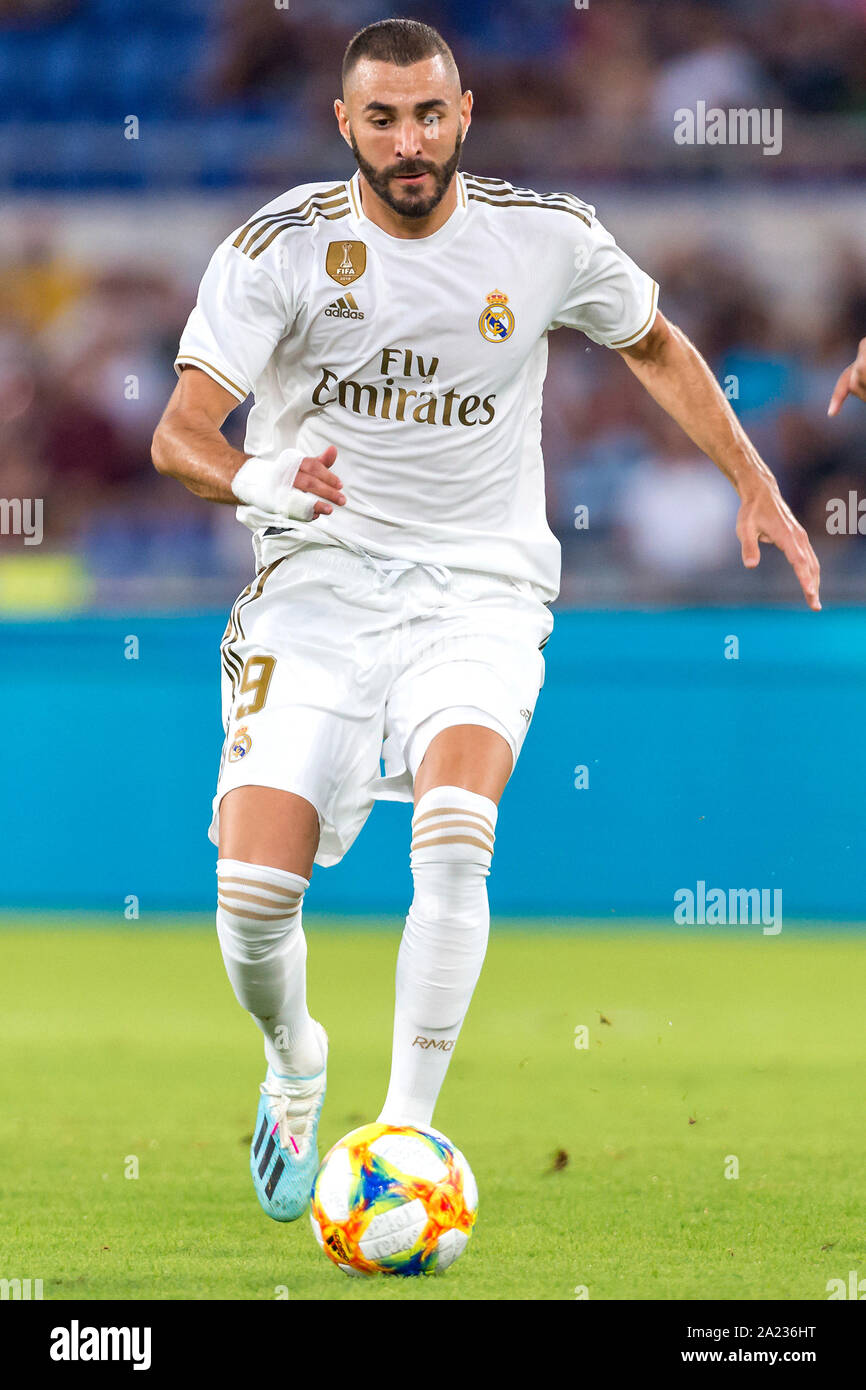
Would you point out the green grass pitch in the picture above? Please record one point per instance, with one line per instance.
(601, 1168)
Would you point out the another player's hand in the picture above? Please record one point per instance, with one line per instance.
(314, 475)
(764, 515)
(852, 382)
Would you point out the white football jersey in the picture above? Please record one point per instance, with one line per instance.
(422, 360)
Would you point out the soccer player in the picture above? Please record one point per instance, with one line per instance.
(392, 328)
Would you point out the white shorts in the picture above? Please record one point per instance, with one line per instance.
(335, 663)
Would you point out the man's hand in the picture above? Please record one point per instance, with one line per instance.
(314, 475)
(852, 382)
(673, 371)
(189, 445)
(764, 515)
(287, 484)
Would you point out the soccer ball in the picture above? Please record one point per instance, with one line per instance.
(392, 1200)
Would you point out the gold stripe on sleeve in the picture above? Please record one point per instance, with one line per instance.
(528, 203)
(299, 211)
(638, 334)
(341, 211)
(319, 205)
(214, 371)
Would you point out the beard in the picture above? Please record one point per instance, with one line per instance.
(412, 203)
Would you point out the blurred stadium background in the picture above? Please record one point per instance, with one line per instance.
(698, 765)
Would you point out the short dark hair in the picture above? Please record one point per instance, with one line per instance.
(398, 41)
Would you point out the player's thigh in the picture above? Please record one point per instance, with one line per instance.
(295, 780)
(303, 702)
(264, 825)
(472, 756)
(459, 712)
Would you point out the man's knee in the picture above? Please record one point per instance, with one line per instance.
(470, 754)
(266, 826)
(454, 826)
(258, 908)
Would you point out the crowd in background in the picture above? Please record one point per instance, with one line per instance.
(605, 60)
(85, 358)
(85, 369)
(573, 84)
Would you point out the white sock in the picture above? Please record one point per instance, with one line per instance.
(265, 954)
(443, 946)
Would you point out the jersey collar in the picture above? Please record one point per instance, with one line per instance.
(408, 246)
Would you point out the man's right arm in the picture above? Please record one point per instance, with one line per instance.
(189, 445)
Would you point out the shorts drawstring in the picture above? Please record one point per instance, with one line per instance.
(389, 571)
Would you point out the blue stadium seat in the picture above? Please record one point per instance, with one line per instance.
(63, 68)
(165, 17)
(19, 69)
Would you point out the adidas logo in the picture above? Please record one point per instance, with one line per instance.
(344, 308)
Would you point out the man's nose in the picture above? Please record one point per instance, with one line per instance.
(409, 141)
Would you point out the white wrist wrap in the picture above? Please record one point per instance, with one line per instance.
(267, 485)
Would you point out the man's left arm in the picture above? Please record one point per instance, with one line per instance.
(675, 374)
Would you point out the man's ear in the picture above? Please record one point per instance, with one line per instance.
(466, 111)
(342, 116)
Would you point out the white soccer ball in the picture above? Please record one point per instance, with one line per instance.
(390, 1200)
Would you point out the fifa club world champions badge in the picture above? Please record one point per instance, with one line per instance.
(346, 261)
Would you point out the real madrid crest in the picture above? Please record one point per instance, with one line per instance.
(497, 322)
(346, 261)
(240, 745)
